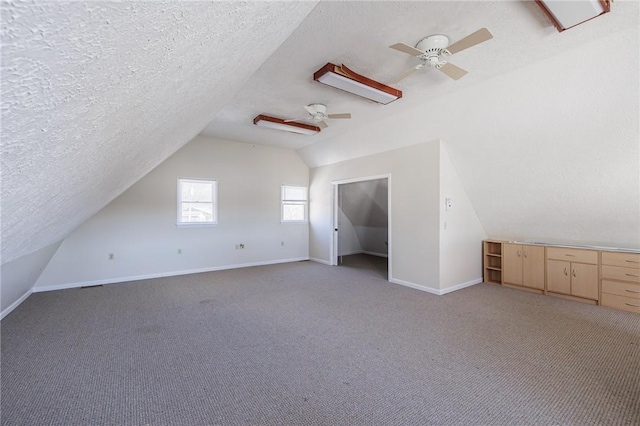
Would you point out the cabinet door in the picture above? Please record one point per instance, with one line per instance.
(584, 280)
(558, 276)
(533, 266)
(512, 263)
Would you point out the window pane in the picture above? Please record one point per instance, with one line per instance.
(197, 191)
(295, 193)
(293, 212)
(197, 212)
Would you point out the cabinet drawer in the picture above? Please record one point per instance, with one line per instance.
(627, 260)
(620, 302)
(572, 255)
(618, 273)
(621, 289)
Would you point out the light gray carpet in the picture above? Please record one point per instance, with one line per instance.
(308, 344)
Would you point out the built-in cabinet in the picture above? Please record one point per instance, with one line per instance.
(523, 265)
(607, 277)
(621, 281)
(572, 272)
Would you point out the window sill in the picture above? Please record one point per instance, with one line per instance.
(196, 225)
(294, 222)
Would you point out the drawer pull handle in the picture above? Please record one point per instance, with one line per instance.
(631, 261)
(574, 273)
(570, 255)
(632, 275)
(565, 271)
(631, 304)
(524, 252)
(518, 253)
(632, 291)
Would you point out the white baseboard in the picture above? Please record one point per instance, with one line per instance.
(162, 275)
(372, 253)
(15, 304)
(324, 262)
(436, 291)
(416, 286)
(461, 286)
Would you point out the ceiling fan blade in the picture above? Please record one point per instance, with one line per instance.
(344, 115)
(405, 74)
(407, 49)
(322, 124)
(471, 40)
(453, 71)
(310, 110)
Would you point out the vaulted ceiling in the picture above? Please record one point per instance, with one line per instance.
(96, 94)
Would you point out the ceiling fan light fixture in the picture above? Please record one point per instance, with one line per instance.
(287, 126)
(345, 79)
(568, 14)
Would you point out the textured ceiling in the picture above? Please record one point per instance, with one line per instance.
(96, 94)
(358, 34)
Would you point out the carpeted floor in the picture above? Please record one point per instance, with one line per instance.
(308, 344)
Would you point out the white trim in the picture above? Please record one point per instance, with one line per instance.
(324, 262)
(15, 304)
(214, 202)
(461, 286)
(416, 286)
(372, 253)
(436, 291)
(360, 179)
(333, 247)
(302, 202)
(163, 275)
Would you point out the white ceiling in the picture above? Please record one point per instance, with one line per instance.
(96, 94)
(358, 34)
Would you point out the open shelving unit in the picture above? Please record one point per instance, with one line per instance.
(492, 262)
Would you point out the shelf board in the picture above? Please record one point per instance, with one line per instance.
(493, 268)
(493, 254)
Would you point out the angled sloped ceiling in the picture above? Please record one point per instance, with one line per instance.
(96, 94)
(549, 152)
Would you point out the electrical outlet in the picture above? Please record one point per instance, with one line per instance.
(282, 243)
(110, 256)
(239, 246)
(179, 251)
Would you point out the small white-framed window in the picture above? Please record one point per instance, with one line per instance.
(197, 202)
(295, 204)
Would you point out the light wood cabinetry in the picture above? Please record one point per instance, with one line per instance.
(621, 281)
(523, 265)
(572, 272)
(492, 261)
(590, 274)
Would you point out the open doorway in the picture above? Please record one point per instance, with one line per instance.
(362, 225)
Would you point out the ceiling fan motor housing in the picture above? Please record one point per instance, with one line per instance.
(434, 47)
(321, 111)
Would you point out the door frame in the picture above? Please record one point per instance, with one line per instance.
(333, 247)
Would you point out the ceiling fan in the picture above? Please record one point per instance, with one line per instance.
(318, 113)
(433, 49)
